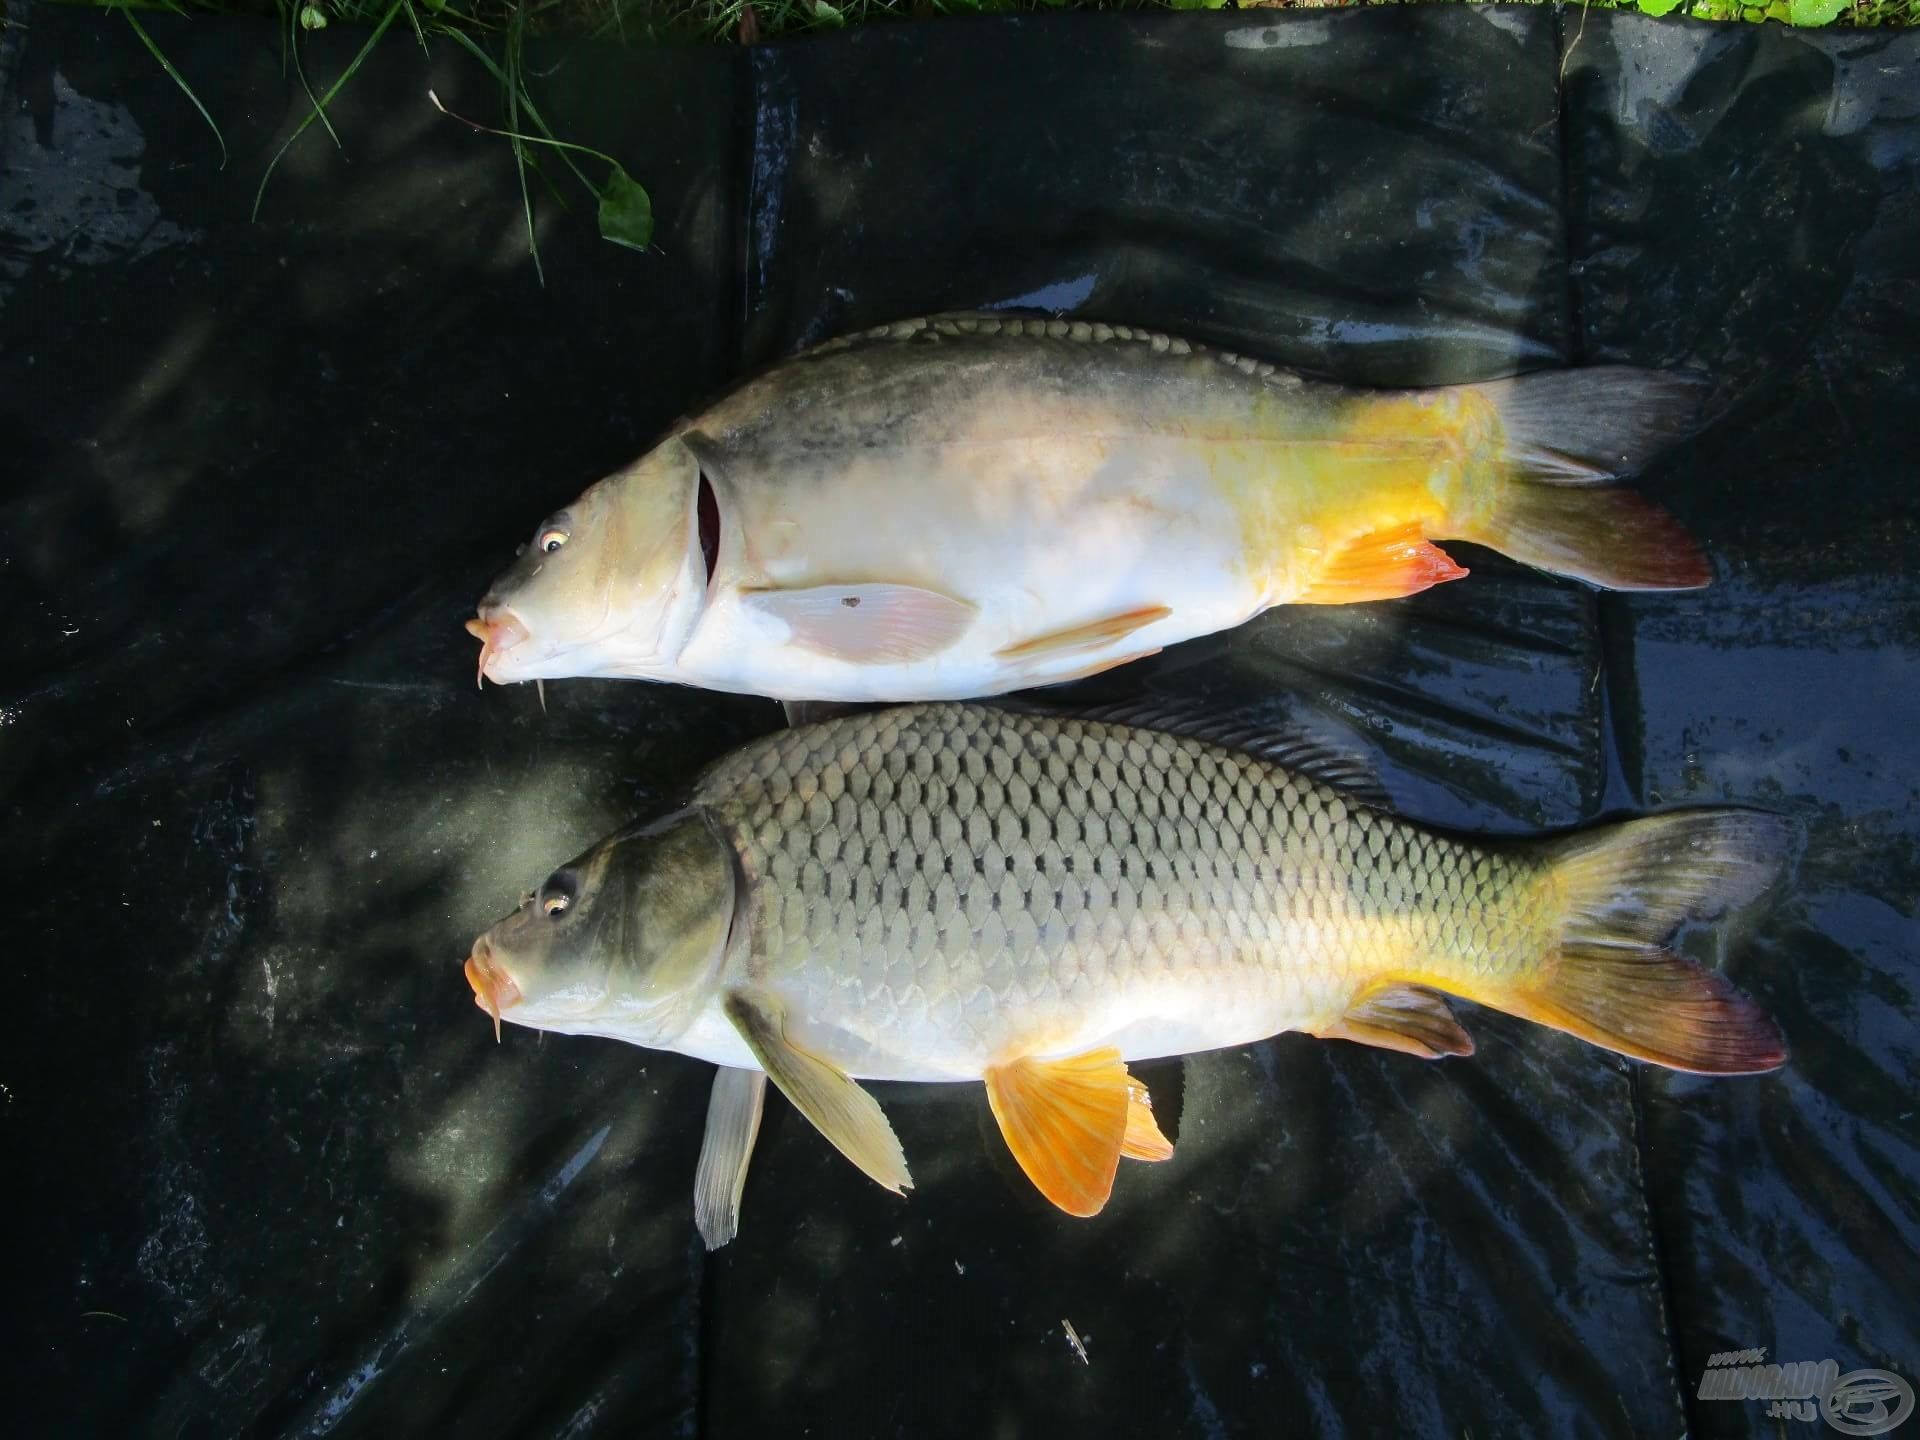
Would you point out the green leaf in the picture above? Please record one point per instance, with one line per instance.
(1658, 7)
(1199, 4)
(626, 212)
(312, 17)
(1814, 12)
(827, 15)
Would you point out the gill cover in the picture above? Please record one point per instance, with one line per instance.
(684, 883)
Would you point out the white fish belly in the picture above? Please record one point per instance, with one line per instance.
(961, 1013)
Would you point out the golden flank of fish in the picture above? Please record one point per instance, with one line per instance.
(962, 893)
(972, 504)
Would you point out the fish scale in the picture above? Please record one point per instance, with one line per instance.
(942, 886)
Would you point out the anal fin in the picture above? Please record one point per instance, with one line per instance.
(1404, 1018)
(1066, 1122)
(1381, 565)
(1090, 636)
(1143, 1140)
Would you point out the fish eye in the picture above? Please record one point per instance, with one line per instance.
(557, 894)
(551, 539)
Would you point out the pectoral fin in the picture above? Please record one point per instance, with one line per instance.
(1090, 636)
(821, 1091)
(1067, 1122)
(866, 624)
(1381, 565)
(733, 1120)
(1403, 1018)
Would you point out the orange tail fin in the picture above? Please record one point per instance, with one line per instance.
(1615, 983)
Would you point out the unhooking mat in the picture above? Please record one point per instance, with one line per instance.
(268, 1172)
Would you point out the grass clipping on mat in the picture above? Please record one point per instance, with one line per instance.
(625, 211)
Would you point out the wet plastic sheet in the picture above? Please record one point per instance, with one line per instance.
(276, 1176)
(1779, 175)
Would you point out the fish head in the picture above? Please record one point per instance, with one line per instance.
(612, 584)
(626, 940)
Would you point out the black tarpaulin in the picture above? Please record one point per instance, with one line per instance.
(270, 1173)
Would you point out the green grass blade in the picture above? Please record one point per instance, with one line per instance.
(176, 77)
(625, 211)
(474, 48)
(293, 45)
(393, 13)
(514, 88)
(533, 113)
(413, 19)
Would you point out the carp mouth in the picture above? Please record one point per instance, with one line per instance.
(498, 631)
(493, 988)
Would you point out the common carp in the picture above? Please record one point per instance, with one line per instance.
(971, 504)
(965, 893)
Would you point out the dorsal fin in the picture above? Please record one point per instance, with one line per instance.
(1290, 746)
(1015, 323)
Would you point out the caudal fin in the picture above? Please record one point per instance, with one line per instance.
(1627, 888)
(1570, 435)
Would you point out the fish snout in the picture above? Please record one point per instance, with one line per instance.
(498, 630)
(493, 988)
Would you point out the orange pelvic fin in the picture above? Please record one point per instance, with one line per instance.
(1404, 1018)
(1066, 1122)
(1143, 1140)
(1089, 636)
(1381, 565)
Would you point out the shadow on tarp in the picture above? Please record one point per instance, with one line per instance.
(277, 1177)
